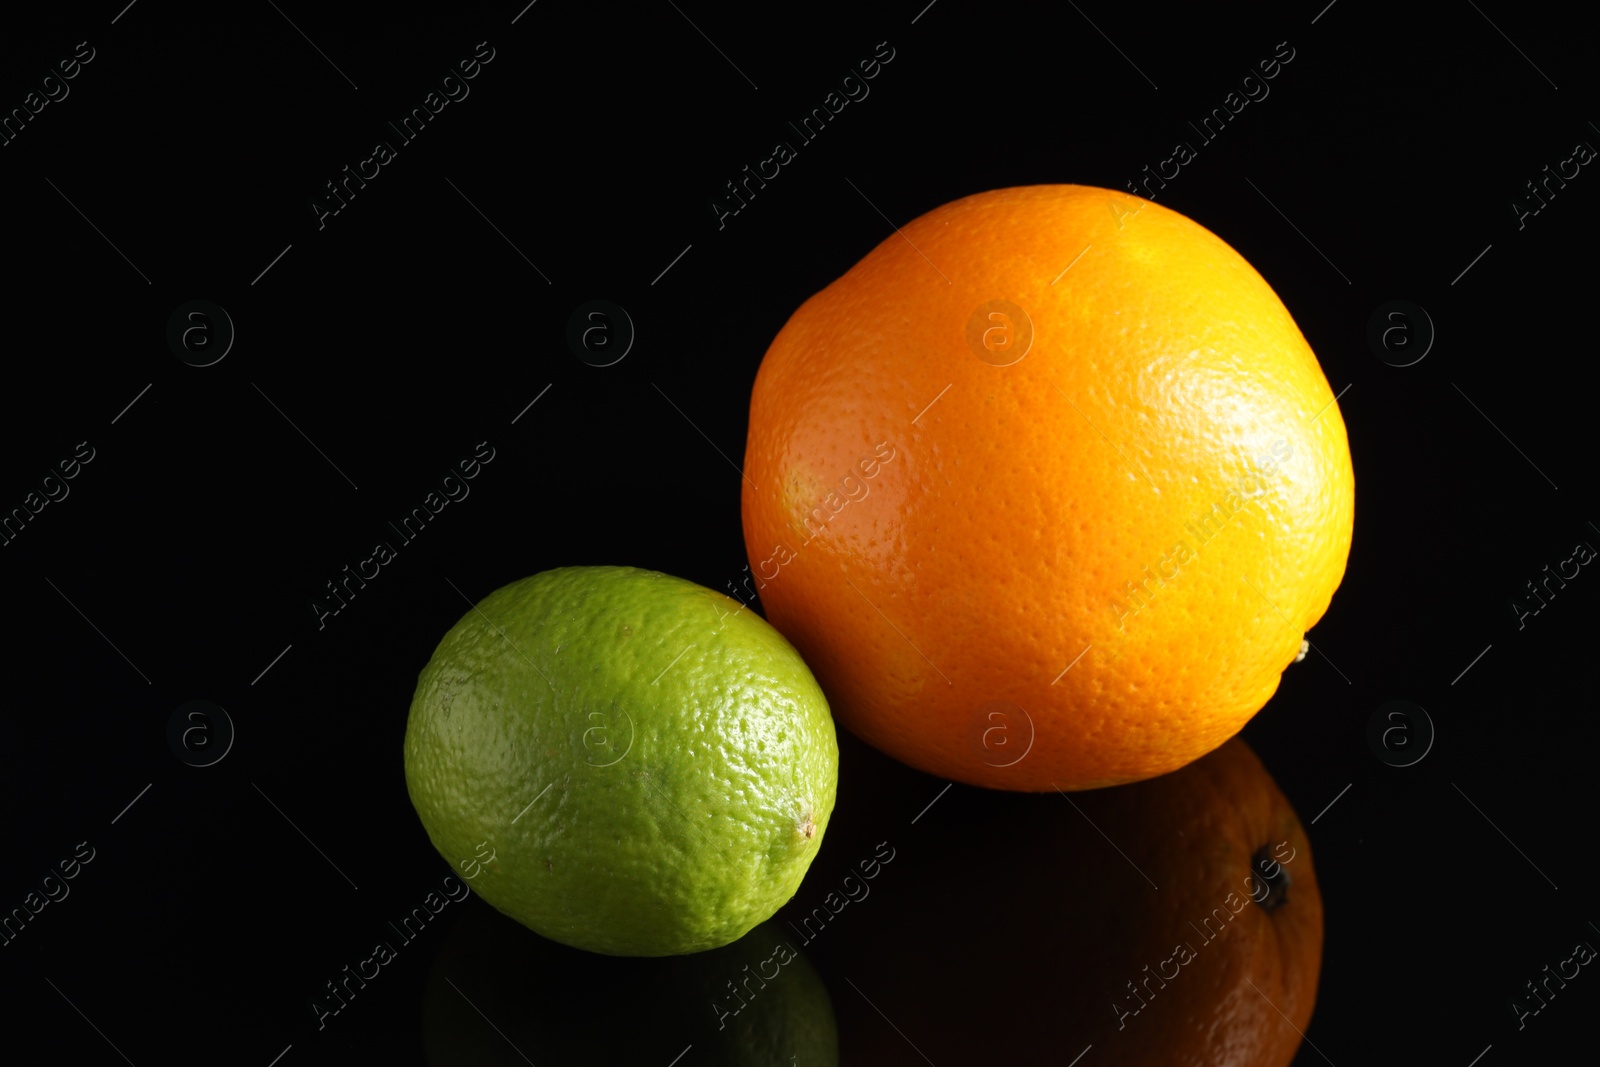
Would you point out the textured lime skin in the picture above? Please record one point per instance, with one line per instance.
(622, 761)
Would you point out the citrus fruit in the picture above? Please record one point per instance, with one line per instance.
(1175, 921)
(621, 760)
(1047, 489)
(552, 1004)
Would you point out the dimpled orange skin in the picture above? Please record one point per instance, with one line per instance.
(1000, 574)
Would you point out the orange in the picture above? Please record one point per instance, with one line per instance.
(1174, 922)
(1047, 490)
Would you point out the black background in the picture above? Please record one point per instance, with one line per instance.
(427, 315)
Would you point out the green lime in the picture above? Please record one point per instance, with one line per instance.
(622, 761)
